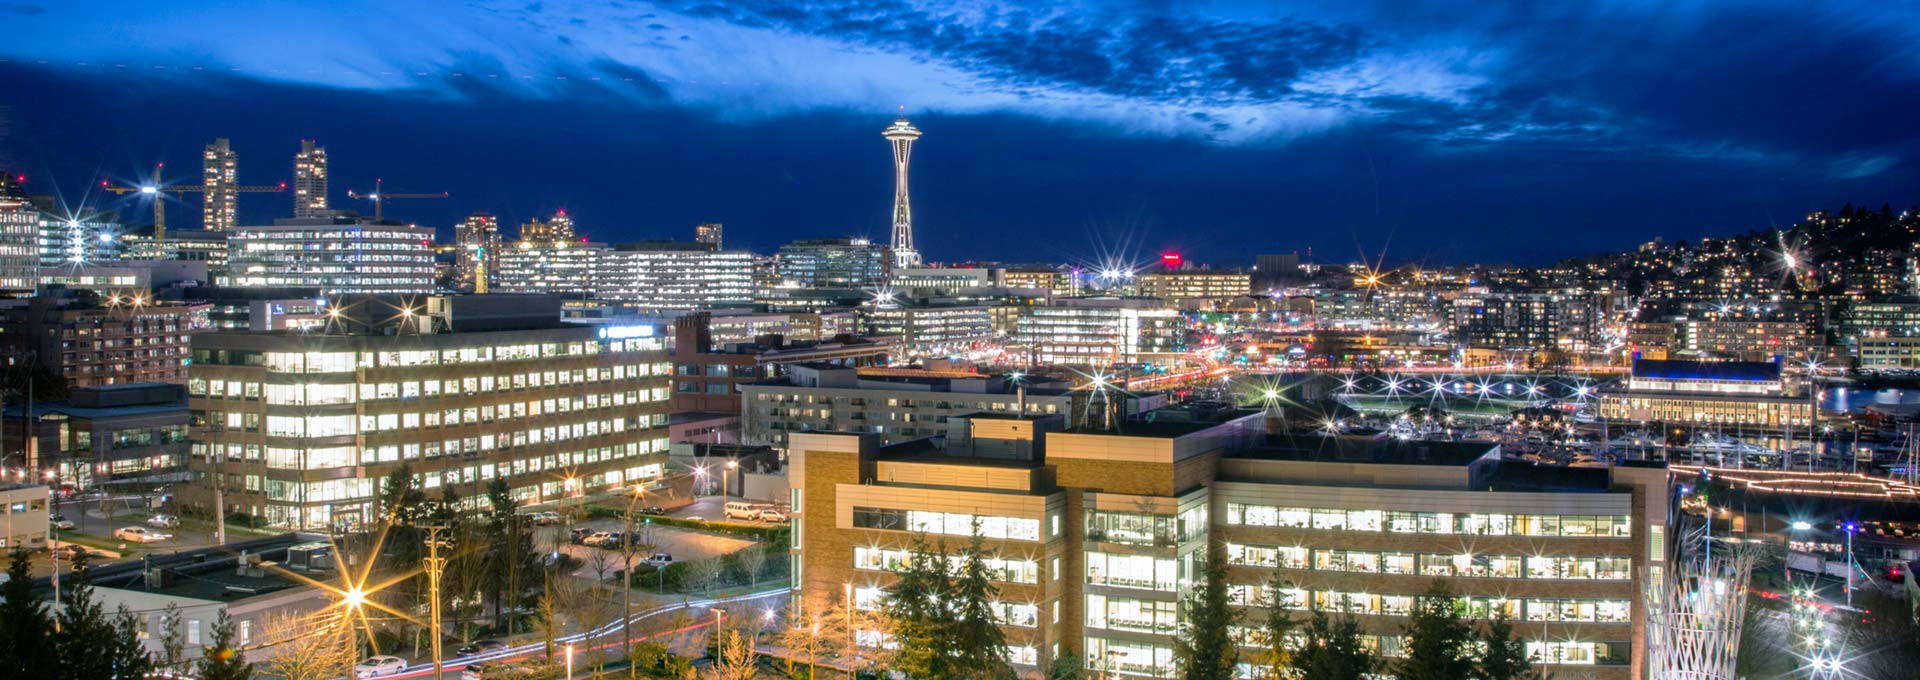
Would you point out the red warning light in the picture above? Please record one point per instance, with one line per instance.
(1171, 260)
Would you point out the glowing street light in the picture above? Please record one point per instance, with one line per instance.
(1801, 525)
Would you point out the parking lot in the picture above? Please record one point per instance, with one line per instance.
(682, 544)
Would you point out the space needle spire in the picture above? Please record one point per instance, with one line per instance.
(901, 134)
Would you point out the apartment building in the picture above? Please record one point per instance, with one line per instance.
(93, 340)
(1096, 535)
(299, 427)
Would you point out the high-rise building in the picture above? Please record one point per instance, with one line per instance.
(299, 429)
(19, 240)
(851, 263)
(901, 136)
(310, 181)
(666, 275)
(708, 233)
(559, 228)
(336, 255)
(221, 174)
(478, 240)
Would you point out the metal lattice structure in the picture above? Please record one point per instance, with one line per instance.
(901, 134)
(1696, 610)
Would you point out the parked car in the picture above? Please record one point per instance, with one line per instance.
(653, 510)
(163, 521)
(773, 515)
(596, 538)
(481, 647)
(379, 666)
(60, 522)
(578, 535)
(140, 535)
(547, 518)
(660, 560)
(743, 510)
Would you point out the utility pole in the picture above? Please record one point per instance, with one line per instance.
(435, 565)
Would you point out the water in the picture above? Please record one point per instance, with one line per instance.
(1857, 400)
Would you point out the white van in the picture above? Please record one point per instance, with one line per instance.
(744, 510)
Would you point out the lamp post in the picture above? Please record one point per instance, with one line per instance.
(626, 589)
(352, 598)
(726, 491)
(569, 661)
(719, 634)
(853, 647)
(435, 565)
(1850, 527)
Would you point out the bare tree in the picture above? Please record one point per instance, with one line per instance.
(602, 562)
(753, 561)
(703, 573)
(173, 640)
(806, 637)
(305, 647)
(736, 661)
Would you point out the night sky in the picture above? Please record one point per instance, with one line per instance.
(1440, 133)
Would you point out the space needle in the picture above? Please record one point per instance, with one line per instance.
(902, 134)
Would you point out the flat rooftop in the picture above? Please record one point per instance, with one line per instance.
(1379, 450)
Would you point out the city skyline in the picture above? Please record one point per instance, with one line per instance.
(1436, 141)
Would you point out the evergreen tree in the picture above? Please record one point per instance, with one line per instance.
(86, 639)
(1503, 656)
(1277, 657)
(222, 659)
(1438, 643)
(1205, 649)
(25, 630)
(919, 617)
(1065, 667)
(511, 560)
(979, 645)
(128, 653)
(1332, 650)
(173, 640)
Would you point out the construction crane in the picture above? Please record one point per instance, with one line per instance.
(380, 198)
(154, 190)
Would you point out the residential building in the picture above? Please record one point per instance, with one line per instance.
(336, 255)
(708, 233)
(298, 427)
(220, 174)
(559, 228)
(1100, 331)
(1743, 340)
(478, 241)
(563, 267)
(1740, 395)
(1095, 535)
(19, 240)
(1507, 321)
(847, 263)
(132, 433)
(93, 341)
(310, 181)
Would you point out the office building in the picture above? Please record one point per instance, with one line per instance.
(310, 181)
(901, 136)
(1054, 282)
(134, 433)
(898, 404)
(1100, 332)
(942, 280)
(1195, 288)
(563, 267)
(25, 509)
(843, 263)
(707, 372)
(1883, 318)
(1094, 536)
(19, 240)
(197, 245)
(737, 325)
(1732, 395)
(337, 255)
(1900, 354)
(933, 329)
(93, 340)
(260, 309)
(709, 233)
(299, 427)
(672, 275)
(220, 173)
(126, 277)
(478, 240)
(88, 237)
(558, 228)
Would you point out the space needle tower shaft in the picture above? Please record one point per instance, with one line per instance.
(901, 134)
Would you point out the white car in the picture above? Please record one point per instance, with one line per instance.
(140, 535)
(163, 521)
(61, 522)
(773, 515)
(377, 666)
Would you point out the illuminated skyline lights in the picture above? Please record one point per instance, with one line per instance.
(902, 135)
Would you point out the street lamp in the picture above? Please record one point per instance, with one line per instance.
(725, 490)
(569, 661)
